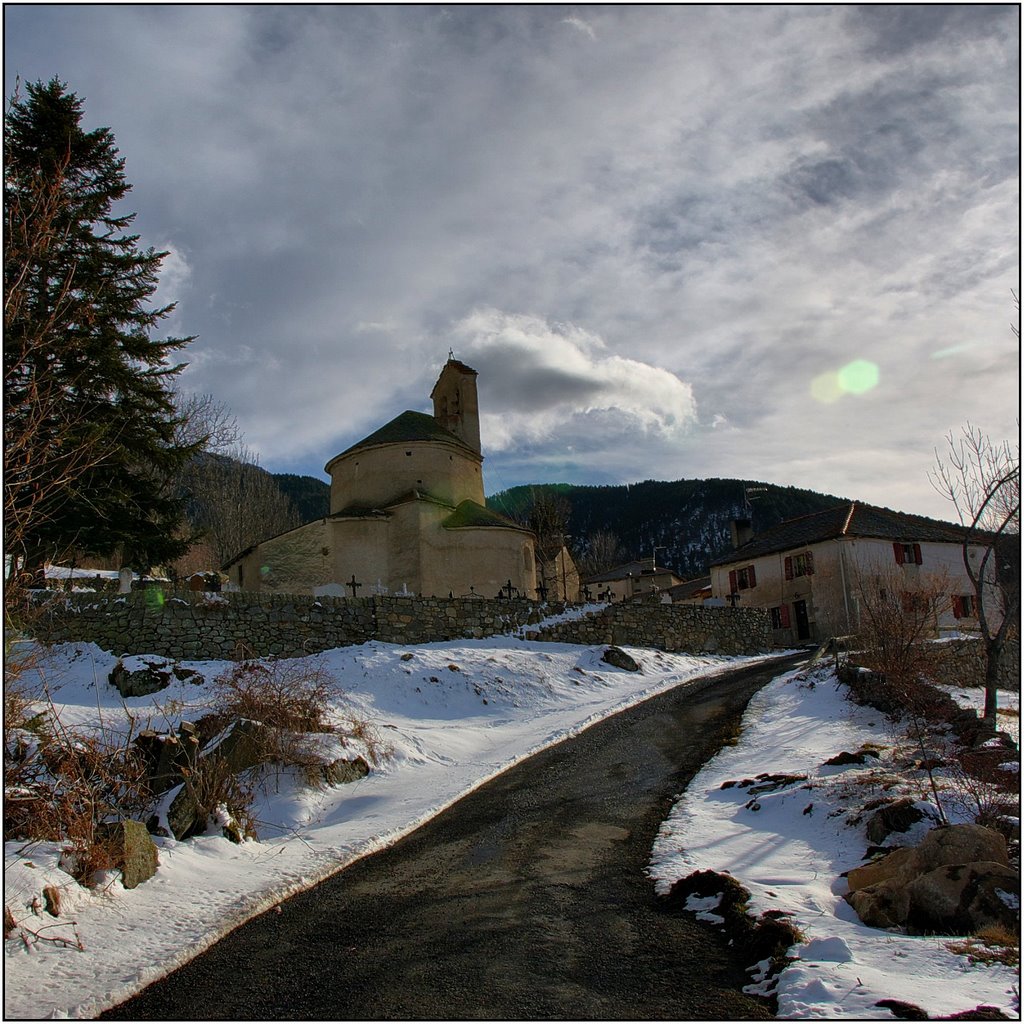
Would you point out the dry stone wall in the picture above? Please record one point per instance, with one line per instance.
(233, 625)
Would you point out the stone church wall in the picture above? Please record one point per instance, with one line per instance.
(232, 625)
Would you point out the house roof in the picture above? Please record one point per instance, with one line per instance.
(407, 427)
(689, 588)
(470, 514)
(851, 519)
(621, 572)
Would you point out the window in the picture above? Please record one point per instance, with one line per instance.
(742, 579)
(913, 601)
(799, 565)
(964, 606)
(906, 554)
(780, 616)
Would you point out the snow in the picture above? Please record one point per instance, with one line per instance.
(452, 715)
(790, 845)
(1007, 706)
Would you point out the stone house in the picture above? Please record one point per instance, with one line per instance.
(631, 581)
(407, 515)
(812, 572)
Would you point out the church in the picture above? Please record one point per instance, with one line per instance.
(407, 515)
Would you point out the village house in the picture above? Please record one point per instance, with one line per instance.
(813, 572)
(407, 515)
(558, 578)
(631, 581)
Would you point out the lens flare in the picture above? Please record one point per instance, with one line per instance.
(854, 378)
(154, 597)
(264, 570)
(858, 377)
(825, 388)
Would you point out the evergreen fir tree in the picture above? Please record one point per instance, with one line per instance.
(89, 416)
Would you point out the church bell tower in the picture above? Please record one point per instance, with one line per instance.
(455, 402)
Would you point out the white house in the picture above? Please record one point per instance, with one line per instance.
(812, 572)
(632, 581)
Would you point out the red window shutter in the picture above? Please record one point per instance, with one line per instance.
(732, 581)
(752, 576)
(810, 564)
(897, 550)
(789, 568)
(784, 616)
(958, 607)
(917, 554)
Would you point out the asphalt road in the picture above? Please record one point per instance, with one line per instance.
(526, 900)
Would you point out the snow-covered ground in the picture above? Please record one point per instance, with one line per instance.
(788, 846)
(452, 715)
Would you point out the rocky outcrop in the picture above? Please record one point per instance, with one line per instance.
(951, 884)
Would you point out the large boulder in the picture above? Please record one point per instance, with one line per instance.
(950, 883)
(963, 899)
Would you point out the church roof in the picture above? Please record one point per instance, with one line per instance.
(406, 427)
(469, 513)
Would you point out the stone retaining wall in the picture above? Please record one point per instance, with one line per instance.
(233, 625)
(962, 663)
(670, 627)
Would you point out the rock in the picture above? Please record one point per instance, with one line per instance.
(890, 866)
(884, 905)
(950, 882)
(339, 772)
(895, 817)
(962, 899)
(961, 844)
(51, 900)
(244, 744)
(142, 682)
(618, 658)
(902, 1010)
(845, 757)
(132, 850)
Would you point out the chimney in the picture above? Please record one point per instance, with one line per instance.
(741, 530)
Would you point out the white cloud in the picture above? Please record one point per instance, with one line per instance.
(583, 26)
(553, 382)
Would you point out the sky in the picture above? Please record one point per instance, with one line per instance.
(770, 242)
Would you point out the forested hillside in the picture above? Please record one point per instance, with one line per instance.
(686, 520)
(310, 496)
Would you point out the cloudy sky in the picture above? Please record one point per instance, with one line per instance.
(769, 242)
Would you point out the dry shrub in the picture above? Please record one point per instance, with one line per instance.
(60, 785)
(221, 796)
(281, 695)
(377, 751)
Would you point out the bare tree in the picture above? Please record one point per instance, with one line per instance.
(981, 478)
(603, 550)
(235, 503)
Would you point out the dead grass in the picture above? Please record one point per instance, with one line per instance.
(993, 945)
